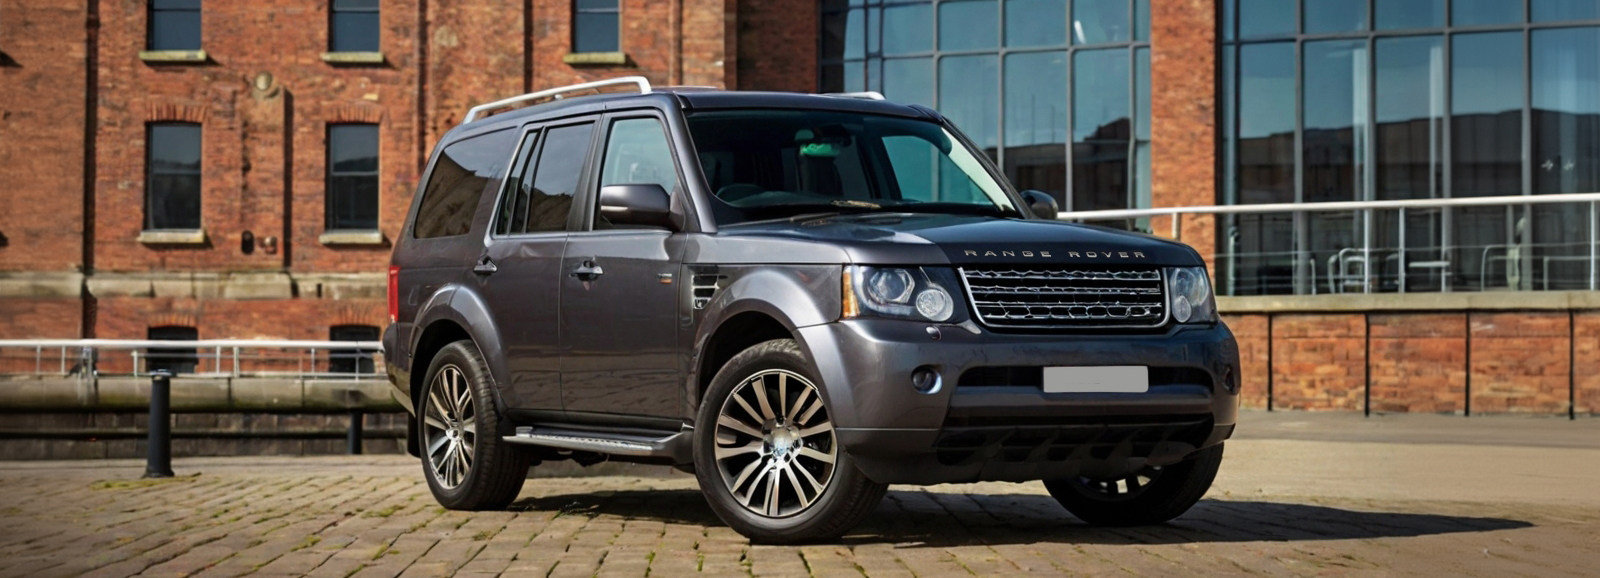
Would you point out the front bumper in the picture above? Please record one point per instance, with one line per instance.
(989, 429)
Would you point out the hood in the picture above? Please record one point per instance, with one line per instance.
(899, 238)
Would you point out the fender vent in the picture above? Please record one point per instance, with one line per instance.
(703, 284)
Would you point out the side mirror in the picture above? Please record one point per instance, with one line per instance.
(1041, 204)
(646, 205)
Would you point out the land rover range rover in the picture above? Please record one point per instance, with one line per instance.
(799, 298)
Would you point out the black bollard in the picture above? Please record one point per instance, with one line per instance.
(158, 463)
(353, 437)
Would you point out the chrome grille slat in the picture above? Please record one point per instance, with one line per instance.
(1067, 297)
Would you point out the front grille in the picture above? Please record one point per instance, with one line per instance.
(1061, 298)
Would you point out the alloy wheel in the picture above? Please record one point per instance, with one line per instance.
(775, 445)
(449, 427)
(1122, 488)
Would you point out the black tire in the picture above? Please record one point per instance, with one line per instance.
(496, 469)
(846, 497)
(1169, 492)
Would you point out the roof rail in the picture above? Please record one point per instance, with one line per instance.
(641, 82)
(868, 95)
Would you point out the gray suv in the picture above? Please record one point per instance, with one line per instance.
(799, 298)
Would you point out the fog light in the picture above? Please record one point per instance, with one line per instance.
(926, 380)
(1181, 309)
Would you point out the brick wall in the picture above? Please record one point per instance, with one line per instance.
(42, 112)
(777, 45)
(1520, 362)
(264, 97)
(1454, 362)
(1183, 116)
(1419, 362)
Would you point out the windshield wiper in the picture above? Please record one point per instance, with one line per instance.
(854, 204)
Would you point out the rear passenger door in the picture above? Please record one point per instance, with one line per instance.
(521, 266)
(618, 291)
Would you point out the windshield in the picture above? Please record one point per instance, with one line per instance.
(769, 164)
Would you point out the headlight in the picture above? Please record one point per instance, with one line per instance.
(1189, 295)
(915, 293)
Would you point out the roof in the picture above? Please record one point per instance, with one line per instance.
(689, 98)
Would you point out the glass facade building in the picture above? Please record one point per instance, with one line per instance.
(1339, 100)
(1055, 91)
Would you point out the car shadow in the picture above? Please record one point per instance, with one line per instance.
(916, 518)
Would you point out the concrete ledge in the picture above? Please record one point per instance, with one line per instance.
(352, 238)
(353, 58)
(1494, 301)
(195, 237)
(192, 394)
(45, 393)
(339, 286)
(330, 394)
(267, 394)
(258, 286)
(174, 56)
(41, 284)
(595, 58)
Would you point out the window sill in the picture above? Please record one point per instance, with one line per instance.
(352, 238)
(596, 58)
(194, 237)
(174, 56)
(353, 58)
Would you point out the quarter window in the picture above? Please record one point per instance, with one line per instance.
(354, 26)
(172, 191)
(464, 169)
(174, 25)
(595, 26)
(352, 198)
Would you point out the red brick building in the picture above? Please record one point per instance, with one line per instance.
(239, 170)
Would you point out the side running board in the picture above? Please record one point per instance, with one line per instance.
(675, 446)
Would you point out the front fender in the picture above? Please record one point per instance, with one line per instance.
(795, 296)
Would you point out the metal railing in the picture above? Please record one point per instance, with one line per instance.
(355, 360)
(1352, 259)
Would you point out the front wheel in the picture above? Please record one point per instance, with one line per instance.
(767, 456)
(1151, 495)
(467, 466)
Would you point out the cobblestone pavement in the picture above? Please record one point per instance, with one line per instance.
(1283, 507)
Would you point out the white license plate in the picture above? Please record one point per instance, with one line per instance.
(1098, 379)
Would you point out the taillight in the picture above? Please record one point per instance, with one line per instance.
(394, 294)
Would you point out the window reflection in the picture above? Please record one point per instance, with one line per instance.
(1099, 21)
(1373, 126)
(1403, 14)
(1485, 12)
(976, 60)
(1036, 122)
(1036, 23)
(1334, 16)
(969, 25)
(1566, 151)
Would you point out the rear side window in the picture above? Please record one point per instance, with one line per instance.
(463, 171)
(542, 198)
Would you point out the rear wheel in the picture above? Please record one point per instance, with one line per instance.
(1152, 495)
(766, 454)
(467, 466)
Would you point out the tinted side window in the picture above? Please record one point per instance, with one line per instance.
(547, 188)
(464, 169)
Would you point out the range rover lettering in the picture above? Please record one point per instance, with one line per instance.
(799, 298)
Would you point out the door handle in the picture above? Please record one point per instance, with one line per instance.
(485, 266)
(587, 270)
